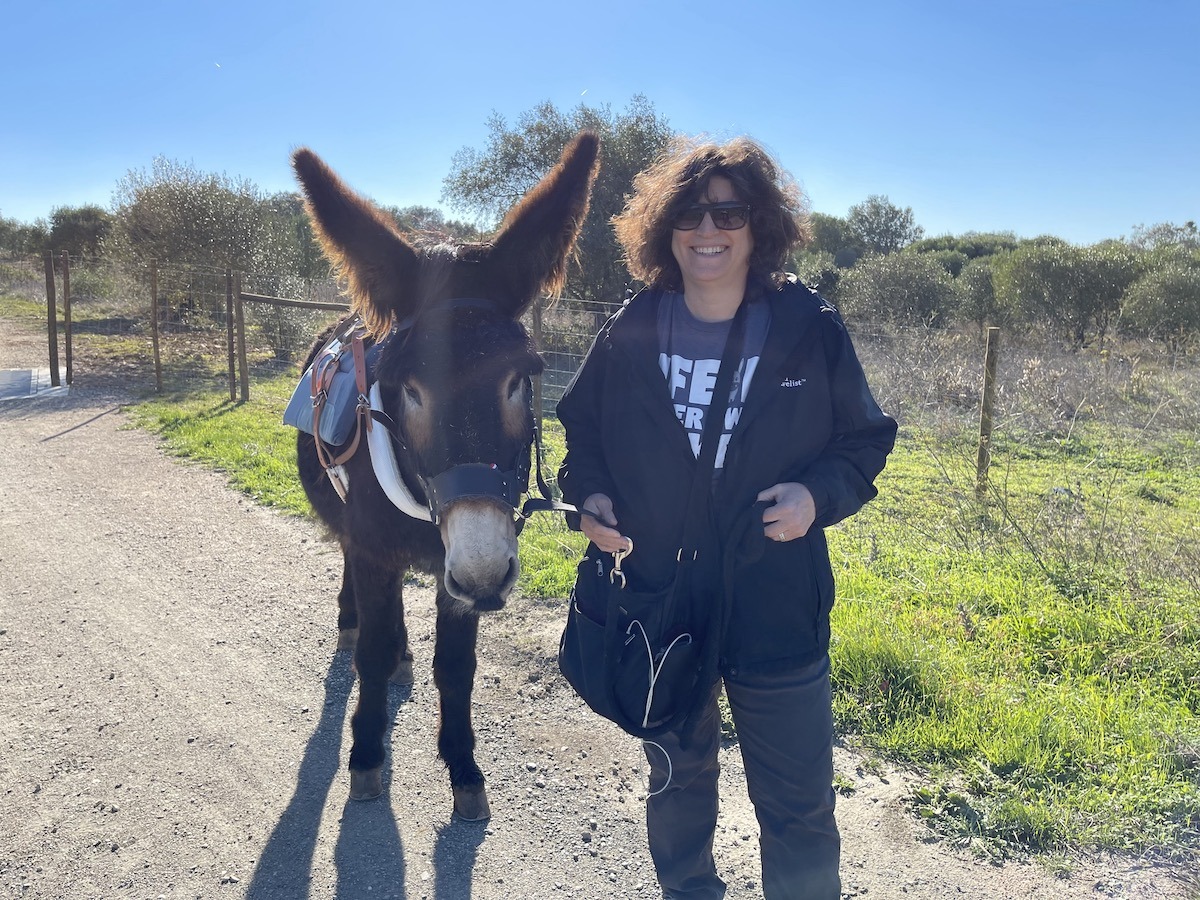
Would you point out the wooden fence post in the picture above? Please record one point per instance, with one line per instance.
(229, 344)
(66, 270)
(537, 382)
(154, 325)
(986, 408)
(52, 319)
(240, 324)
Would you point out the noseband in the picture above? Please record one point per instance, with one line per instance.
(464, 481)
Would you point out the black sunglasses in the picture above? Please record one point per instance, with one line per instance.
(729, 215)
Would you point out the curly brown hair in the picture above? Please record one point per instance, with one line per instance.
(679, 178)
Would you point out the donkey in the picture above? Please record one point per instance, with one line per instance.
(453, 415)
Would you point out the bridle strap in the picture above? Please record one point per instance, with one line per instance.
(387, 470)
(468, 480)
(546, 503)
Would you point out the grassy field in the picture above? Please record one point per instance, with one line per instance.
(1034, 654)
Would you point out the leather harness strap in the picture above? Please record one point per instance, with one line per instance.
(322, 377)
(463, 480)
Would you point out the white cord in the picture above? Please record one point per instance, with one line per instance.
(654, 672)
(657, 670)
(670, 769)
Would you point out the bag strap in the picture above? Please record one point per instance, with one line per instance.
(710, 435)
(697, 511)
(324, 370)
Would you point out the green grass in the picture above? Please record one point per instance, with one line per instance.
(1034, 656)
(246, 441)
(14, 307)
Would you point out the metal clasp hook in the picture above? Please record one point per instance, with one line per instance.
(618, 558)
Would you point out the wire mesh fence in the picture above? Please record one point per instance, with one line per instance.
(118, 313)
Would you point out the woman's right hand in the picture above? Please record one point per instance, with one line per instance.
(602, 531)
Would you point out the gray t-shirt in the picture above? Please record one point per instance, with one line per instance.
(690, 357)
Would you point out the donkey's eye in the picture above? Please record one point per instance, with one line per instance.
(515, 386)
(412, 395)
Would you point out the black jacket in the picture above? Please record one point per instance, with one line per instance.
(809, 417)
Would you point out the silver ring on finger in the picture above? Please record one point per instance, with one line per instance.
(782, 536)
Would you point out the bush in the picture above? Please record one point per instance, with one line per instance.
(901, 288)
(1164, 304)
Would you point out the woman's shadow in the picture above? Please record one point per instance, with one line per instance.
(369, 856)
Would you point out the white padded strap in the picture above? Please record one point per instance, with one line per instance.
(387, 471)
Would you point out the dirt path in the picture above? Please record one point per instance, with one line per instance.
(174, 719)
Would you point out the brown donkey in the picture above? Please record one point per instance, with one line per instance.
(434, 485)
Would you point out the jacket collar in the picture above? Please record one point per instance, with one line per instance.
(795, 315)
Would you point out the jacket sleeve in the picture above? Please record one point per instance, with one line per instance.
(584, 471)
(842, 478)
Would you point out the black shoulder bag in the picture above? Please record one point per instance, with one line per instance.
(647, 659)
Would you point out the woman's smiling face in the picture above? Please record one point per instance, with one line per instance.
(711, 258)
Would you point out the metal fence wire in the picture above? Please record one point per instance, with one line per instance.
(926, 374)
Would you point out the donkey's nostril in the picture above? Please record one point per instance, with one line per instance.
(453, 588)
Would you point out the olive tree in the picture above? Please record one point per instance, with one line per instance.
(1166, 234)
(1074, 290)
(179, 215)
(1164, 303)
(977, 294)
(24, 238)
(971, 244)
(902, 288)
(487, 182)
(80, 230)
(818, 270)
(882, 227)
(833, 235)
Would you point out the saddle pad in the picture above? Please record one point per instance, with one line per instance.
(337, 418)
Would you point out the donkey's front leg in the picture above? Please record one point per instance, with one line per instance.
(375, 656)
(454, 675)
(347, 620)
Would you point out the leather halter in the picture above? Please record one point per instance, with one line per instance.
(459, 482)
(464, 481)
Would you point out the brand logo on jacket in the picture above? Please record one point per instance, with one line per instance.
(792, 382)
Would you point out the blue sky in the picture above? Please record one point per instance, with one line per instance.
(1079, 119)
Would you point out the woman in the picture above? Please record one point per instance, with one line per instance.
(709, 229)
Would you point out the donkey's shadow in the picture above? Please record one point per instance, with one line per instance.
(369, 855)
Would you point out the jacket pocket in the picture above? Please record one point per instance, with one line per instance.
(822, 584)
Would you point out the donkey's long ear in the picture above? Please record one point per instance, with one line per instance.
(362, 243)
(538, 234)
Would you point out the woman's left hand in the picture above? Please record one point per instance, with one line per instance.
(791, 513)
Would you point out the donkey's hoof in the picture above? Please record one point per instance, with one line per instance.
(403, 675)
(471, 803)
(347, 639)
(366, 784)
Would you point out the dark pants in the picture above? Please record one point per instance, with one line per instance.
(785, 732)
